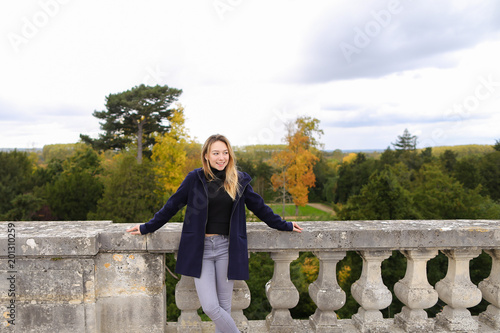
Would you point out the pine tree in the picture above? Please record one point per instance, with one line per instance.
(406, 142)
(134, 115)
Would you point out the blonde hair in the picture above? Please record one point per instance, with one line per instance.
(231, 184)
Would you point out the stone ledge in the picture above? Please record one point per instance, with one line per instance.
(87, 238)
(302, 326)
(54, 239)
(355, 235)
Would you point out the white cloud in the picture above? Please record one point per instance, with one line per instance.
(247, 69)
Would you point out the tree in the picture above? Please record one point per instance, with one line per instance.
(75, 191)
(490, 174)
(16, 179)
(295, 164)
(382, 198)
(24, 207)
(439, 196)
(449, 160)
(353, 176)
(170, 156)
(134, 115)
(467, 172)
(59, 151)
(73, 195)
(406, 142)
(129, 191)
(496, 146)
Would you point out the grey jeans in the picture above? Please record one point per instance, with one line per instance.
(214, 289)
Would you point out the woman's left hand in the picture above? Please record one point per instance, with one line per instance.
(296, 227)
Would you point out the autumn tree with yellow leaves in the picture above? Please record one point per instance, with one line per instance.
(295, 164)
(172, 155)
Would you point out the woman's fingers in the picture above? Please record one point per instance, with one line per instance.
(135, 230)
(296, 227)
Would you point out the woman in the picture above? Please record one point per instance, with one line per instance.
(213, 246)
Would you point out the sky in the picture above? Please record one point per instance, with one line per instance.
(366, 70)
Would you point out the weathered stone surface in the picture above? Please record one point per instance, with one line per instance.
(89, 237)
(415, 292)
(490, 289)
(50, 292)
(281, 293)
(130, 292)
(116, 239)
(92, 276)
(326, 293)
(459, 293)
(356, 235)
(58, 239)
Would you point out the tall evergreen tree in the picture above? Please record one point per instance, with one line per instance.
(406, 142)
(134, 115)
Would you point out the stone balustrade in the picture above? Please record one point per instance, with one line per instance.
(91, 276)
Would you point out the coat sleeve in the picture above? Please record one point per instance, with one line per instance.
(173, 205)
(256, 204)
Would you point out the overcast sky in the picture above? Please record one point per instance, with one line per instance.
(366, 69)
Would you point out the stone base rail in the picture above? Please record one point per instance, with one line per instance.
(92, 276)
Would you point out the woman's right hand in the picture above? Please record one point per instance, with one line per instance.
(135, 230)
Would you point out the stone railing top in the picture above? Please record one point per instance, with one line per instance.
(87, 238)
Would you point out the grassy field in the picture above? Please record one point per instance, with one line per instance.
(306, 213)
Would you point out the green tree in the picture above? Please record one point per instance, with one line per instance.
(439, 196)
(74, 192)
(448, 160)
(467, 172)
(353, 176)
(405, 142)
(490, 174)
(134, 115)
(130, 191)
(24, 207)
(16, 179)
(382, 198)
(496, 146)
(73, 195)
(326, 176)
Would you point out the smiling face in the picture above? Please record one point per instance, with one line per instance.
(218, 155)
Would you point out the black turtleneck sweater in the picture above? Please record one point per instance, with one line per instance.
(219, 205)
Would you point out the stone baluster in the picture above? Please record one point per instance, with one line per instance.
(241, 301)
(490, 288)
(416, 293)
(326, 293)
(458, 292)
(187, 301)
(371, 293)
(281, 293)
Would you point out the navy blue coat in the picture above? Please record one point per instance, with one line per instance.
(193, 193)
